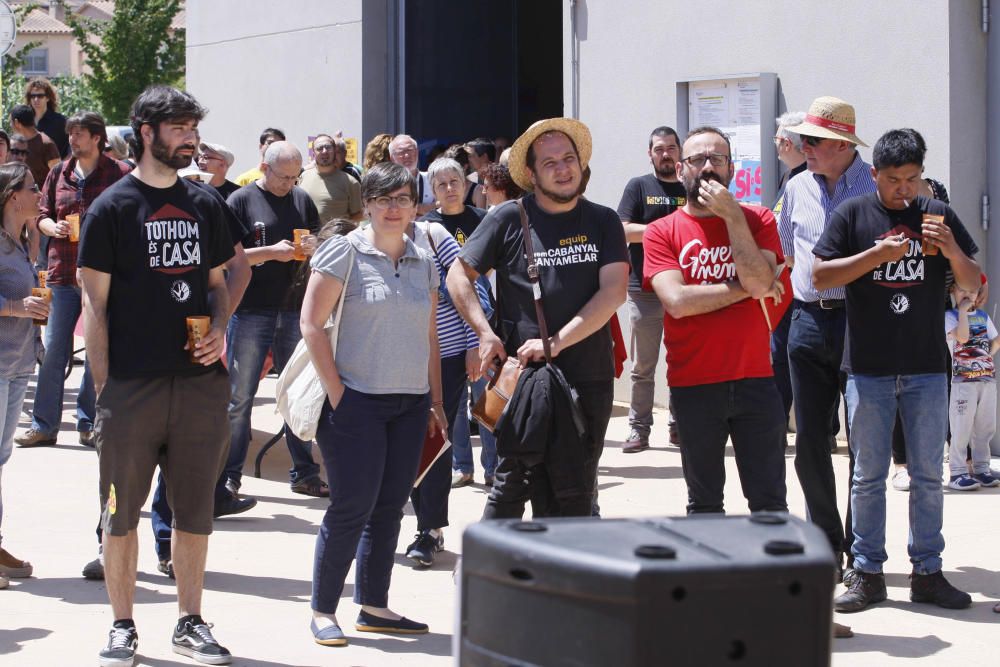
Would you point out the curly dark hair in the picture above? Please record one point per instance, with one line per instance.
(499, 177)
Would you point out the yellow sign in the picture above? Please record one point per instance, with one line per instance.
(352, 150)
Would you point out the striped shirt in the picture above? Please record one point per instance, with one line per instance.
(805, 212)
(454, 335)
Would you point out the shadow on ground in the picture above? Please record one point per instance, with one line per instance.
(11, 640)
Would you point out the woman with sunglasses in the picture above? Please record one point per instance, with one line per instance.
(41, 97)
(20, 343)
(383, 386)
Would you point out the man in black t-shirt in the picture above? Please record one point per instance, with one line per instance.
(271, 207)
(582, 260)
(892, 249)
(151, 256)
(216, 159)
(645, 199)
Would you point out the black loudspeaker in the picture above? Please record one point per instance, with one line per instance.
(697, 591)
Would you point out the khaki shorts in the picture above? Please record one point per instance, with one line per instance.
(179, 423)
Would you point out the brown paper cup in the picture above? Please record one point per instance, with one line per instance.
(45, 293)
(74, 227)
(197, 328)
(300, 255)
(926, 247)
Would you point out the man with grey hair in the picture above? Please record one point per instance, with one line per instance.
(403, 151)
(789, 147)
(335, 193)
(271, 207)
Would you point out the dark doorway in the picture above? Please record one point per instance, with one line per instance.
(480, 68)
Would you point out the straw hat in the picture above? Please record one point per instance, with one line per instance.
(574, 129)
(829, 118)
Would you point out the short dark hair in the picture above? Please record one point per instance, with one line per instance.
(386, 177)
(529, 155)
(708, 129)
(158, 104)
(484, 147)
(898, 147)
(458, 153)
(93, 123)
(23, 114)
(271, 133)
(664, 131)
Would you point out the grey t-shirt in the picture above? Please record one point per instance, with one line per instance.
(18, 336)
(383, 345)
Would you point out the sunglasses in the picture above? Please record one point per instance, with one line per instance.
(18, 151)
(37, 96)
(813, 141)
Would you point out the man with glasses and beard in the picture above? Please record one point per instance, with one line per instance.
(835, 173)
(647, 198)
(152, 252)
(708, 263)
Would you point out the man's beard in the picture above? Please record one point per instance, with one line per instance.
(667, 171)
(161, 152)
(556, 197)
(692, 187)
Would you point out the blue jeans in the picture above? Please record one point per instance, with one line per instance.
(162, 518)
(749, 412)
(371, 446)
(11, 399)
(779, 362)
(461, 444)
(250, 335)
(47, 413)
(922, 401)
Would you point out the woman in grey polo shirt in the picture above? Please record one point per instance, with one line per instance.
(19, 338)
(383, 385)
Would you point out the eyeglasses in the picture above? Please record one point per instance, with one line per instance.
(37, 96)
(18, 151)
(812, 141)
(402, 201)
(206, 157)
(698, 161)
(777, 141)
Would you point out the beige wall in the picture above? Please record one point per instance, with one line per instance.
(63, 53)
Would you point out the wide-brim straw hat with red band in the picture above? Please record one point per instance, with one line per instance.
(572, 128)
(829, 118)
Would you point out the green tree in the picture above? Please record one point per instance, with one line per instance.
(131, 51)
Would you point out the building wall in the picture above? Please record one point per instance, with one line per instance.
(876, 55)
(255, 64)
(61, 51)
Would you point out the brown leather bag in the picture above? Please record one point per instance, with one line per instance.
(503, 377)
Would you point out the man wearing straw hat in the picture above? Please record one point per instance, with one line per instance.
(582, 259)
(835, 173)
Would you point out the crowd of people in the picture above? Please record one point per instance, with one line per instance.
(409, 288)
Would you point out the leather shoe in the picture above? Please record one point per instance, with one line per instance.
(35, 438)
(314, 487)
(87, 439)
(636, 442)
(864, 590)
(233, 505)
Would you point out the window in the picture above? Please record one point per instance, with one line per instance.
(36, 62)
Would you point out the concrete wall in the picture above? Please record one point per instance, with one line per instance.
(63, 58)
(255, 64)
(882, 57)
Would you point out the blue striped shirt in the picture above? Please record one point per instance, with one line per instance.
(454, 335)
(805, 212)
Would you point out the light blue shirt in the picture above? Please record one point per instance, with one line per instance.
(805, 212)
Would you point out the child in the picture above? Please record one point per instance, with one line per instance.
(973, 340)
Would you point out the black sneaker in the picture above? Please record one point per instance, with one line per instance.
(934, 588)
(166, 566)
(121, 648)
(193, 638)
(864, 589)
(423, 548)
(233, 505)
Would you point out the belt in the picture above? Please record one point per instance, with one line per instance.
(825, 304)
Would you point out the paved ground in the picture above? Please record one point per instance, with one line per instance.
(259, 568)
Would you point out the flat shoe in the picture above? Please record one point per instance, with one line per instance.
(331, 635)
(370, 623)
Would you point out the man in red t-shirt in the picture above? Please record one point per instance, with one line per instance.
(709, 263)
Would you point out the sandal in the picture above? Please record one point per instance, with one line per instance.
(314, 487)
(14, 568)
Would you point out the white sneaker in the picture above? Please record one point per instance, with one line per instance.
(901, 480)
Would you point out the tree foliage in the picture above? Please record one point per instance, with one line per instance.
(75, 95)
(132, 51)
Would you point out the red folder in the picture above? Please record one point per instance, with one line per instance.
(434, 446)
(773, 313)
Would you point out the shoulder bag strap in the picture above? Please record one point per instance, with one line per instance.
(536, 285)
(339, 313)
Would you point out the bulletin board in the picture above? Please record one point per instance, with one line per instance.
(743, 106)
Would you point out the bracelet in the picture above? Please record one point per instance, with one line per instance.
(435, 404)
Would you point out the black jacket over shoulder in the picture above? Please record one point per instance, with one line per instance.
(543, 423)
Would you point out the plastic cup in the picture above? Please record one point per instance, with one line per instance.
(43, 276)
(45, 293)
(926, 246)
(74, 227)
(300, 254)
(198, 327)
